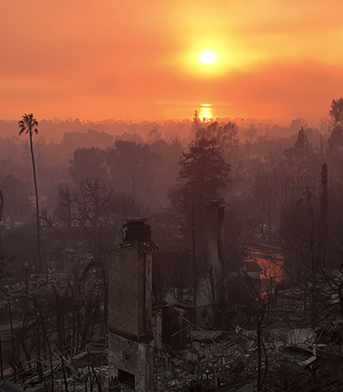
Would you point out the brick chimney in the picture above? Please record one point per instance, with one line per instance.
(130, 287)
(130, 282)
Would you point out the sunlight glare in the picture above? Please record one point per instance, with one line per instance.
(208, 57)
(206, 112)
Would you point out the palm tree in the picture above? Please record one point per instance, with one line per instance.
(29, 125)
(1, 210)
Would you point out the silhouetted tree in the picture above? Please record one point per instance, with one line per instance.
(263, 202)
(196, 124)
(303, 164)
(251, 132)
(226, 138)
(324, 198)
(336, 111)
(90, 219)
(133, 168)
(336, 139)
(17, 206)
(87, 163)
(172, 269)
(29, 125)
(305, 237)
(203, 174)
(1, 210)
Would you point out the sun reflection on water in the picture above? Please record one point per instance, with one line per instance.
(206, 112)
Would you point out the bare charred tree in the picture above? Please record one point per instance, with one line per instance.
(256, 301)
(302, 163)
(305, 237)
(91, 216)
(91, 269)
(251, 132)
(172, 271)
(1, 211)
(263, 202)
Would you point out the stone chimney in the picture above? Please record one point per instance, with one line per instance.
(130, 282)
(130, 288)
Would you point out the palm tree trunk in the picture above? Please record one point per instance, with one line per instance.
(37, 206)
(1, 210)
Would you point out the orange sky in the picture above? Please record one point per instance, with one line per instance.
(133, 59)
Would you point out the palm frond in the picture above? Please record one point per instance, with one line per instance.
(28, 124)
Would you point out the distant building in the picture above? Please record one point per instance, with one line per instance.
(74, 140)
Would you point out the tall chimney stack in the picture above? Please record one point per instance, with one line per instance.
(130, 287)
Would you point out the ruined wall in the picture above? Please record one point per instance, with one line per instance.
(214, 249)
(214, 236)
(210, 286)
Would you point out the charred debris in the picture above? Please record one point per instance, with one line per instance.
(112, 336)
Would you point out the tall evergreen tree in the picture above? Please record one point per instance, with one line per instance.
(336, 111)
(203, 172)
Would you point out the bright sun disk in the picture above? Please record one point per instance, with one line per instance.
(208, 57)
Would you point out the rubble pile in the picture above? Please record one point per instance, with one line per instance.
(216, 360)
(296, 359)
(83, 372)
(207, 363)
(309, 360)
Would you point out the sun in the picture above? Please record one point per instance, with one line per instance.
(208, 57)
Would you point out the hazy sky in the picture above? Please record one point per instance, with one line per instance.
(134, 59)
